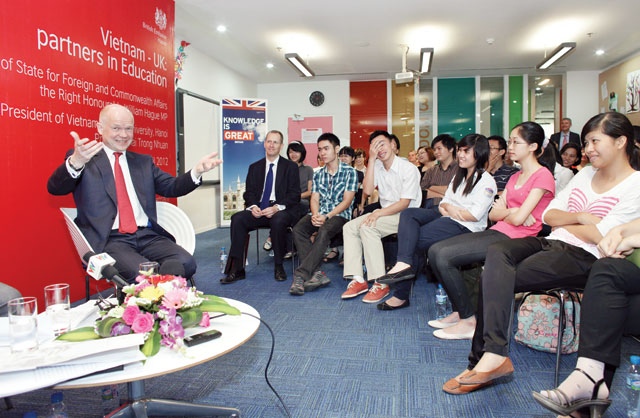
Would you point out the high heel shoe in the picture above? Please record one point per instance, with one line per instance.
(566, 407)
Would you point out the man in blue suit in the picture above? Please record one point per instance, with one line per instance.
(272, 199)
(115, 194)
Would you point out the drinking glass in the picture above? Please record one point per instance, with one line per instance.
(23, 324)
(150, 266)
(56, 298)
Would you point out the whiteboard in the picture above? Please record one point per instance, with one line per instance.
(201, 133)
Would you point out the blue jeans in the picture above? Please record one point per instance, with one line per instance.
(427, 234)
(409, 231)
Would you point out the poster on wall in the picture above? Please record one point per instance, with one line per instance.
(633, 92)
(244, 128)
(60, 63)
(307, 130)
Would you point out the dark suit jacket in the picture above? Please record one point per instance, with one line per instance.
(573, 137)
(287, 185)
(94, 192)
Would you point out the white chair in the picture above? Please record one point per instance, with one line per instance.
(170, 217)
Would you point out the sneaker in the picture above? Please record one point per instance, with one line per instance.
(319, 279)
(297, 287)
(354, 289)
(288, 255)
(376, 294)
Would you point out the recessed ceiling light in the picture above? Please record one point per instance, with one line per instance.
(600, 52)
(538, 88)
(543, 82)
(221, 28)
(269, 65)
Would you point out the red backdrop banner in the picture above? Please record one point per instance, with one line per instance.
(60, 63)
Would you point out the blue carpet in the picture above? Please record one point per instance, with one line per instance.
(337, 358)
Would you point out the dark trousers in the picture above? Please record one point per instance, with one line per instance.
(410, 231)
(129, 250)
(428, 234)
(610, 307)
(311, 253)
(520, 265)
(448, 255)
(243, 222)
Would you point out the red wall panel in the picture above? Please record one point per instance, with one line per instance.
(368, 101)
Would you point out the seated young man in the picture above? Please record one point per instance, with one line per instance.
(398, 183)
(334, 187)
(436, 179)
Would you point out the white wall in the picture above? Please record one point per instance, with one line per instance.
(287, 99)
(581, 97)
(209, 78)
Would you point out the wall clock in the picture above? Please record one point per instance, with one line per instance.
(316, 98)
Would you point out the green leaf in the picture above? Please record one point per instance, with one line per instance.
(216, 304)
(106, 324)
(214, 298)
(80, 334)
(191, 317)
(152, 345)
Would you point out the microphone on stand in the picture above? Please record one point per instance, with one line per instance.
(101, 266)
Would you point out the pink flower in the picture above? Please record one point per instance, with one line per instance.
(142, 323)
(130, 314)
(174, 298)
(205, 320)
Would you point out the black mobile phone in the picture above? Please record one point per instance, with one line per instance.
(202, 338)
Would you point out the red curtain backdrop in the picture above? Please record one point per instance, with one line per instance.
(61, 61)
(368, 110)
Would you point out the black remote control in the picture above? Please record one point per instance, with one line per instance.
(202, 338)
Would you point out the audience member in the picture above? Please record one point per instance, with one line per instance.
(598, 199)
(271, 198)
(610, 308)
(571, 155)
(413, 158)
(398, 187)
(463, 209)
(518, 214)
(565, 135)
(6, 294)
(116, 197)
(426, 158)
(551, 158)
(332, 200)
(436, 180)
(497, 168)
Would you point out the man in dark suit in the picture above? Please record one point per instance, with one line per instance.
(115, 194)
(271, 199)
(565, 135)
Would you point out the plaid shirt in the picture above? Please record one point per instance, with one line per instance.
(331, 188)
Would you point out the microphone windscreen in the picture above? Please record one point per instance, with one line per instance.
(172, 266)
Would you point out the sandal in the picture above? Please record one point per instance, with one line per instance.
(566, 407)
(332, 256)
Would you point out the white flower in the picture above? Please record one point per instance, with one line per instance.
(116, 312)
(143, 302)
(133, 301)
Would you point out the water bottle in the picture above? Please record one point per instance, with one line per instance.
(223, 259)
(110, 399)
(633, 385)
(441, 302)
(57, 409)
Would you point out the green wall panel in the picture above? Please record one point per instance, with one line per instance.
(515, 100)
(456, 106)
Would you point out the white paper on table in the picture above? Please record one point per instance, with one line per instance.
(62, 351)
(13, 383)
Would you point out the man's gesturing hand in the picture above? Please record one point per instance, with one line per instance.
(83, 150)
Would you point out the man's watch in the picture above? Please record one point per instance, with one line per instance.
(73, 166)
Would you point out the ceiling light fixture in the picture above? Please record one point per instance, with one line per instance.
(269, 65)
(543, 82)
(221, 28)
(600, 52)
(300, 66)
(426, 58)
(560, 52)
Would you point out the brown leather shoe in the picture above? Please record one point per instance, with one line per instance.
(455, 388)
(477, 378)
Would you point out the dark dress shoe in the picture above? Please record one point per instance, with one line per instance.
(402, 275)
(232, 277)
(279, 274)
(384, 306)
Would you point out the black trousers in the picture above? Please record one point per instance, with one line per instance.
(243, 222)
(447, 256)
(311, 253)
(129, 250)
(610, 308)
(520, 265)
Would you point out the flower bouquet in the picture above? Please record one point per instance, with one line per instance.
(161, 307)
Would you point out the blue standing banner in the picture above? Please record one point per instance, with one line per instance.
(244, 128)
